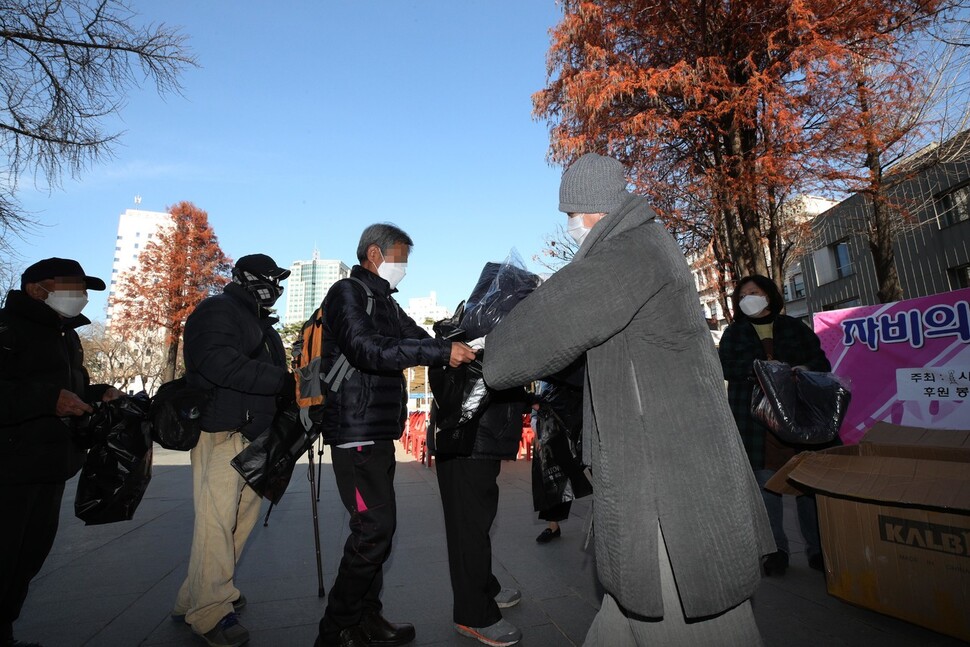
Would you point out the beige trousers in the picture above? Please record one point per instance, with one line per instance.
(226, 509)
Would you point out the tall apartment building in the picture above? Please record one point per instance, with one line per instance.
(308, 283)
(426, 310)
(135, 228)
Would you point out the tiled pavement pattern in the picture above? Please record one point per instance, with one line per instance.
(114, 585)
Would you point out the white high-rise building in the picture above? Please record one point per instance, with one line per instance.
(135, 229)
(426, 310)
(308, 283)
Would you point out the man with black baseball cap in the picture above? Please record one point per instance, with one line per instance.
(232, 350)
(44, 388)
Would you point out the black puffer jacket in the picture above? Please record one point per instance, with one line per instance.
(222, 336)
(40, 354)
(498, 430)
(371, 404)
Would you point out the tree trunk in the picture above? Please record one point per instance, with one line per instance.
(880, 230)
(883, 254)
(171, 359)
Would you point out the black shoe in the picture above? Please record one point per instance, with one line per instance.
(237, 606)
(20, 643)
(816, 562)
(381, 633)
(349, 637)
(776, 563)
(548, 535)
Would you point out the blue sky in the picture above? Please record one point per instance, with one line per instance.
(307, 121)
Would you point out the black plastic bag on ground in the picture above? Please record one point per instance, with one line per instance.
(118, 466)
(800, 407)
(267, 463)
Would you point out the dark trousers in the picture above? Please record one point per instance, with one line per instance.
(557, 513)
(469, 499)
(365, 481)
(30, 515)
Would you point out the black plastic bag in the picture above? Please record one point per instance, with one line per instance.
(176, 414)
(557, 472)
(118, 466)
(457, 440)
(460, 393)
(267, 463)
(800, 407)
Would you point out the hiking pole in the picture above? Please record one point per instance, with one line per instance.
(319, 464)
(268, 512)
(316, 524)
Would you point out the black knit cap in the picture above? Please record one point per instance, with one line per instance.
(53, 268)
(593, 184)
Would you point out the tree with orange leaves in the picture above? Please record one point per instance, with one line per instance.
(721, 110)
(182, 265)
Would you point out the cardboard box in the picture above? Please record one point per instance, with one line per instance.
(894, 514)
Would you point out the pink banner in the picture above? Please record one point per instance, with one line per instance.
(907, 362)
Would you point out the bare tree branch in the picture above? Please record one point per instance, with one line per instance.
(65, 65)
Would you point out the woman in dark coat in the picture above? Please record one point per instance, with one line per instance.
(469, 499)
(760, 331)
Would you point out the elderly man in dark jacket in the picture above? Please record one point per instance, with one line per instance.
(361, 421)
(44, 389)
(680, 526)
(232, 350)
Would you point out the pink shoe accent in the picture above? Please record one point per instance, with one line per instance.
(361, 506)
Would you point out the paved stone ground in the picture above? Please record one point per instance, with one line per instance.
(114, 585)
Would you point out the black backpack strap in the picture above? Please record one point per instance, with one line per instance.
(341, 369)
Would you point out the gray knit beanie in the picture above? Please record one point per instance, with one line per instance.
(592, 184)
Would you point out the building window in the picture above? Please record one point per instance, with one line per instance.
(136, 245)
(959, 277)
(832, 263)
(798, 286)
(953, 206)
(845, 303)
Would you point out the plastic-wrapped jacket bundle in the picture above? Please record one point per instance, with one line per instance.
(500, 287)
(799, 406)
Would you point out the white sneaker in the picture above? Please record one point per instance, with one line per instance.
(501, 634)
(508, 598)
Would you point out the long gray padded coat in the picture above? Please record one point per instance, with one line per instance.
(662, 442)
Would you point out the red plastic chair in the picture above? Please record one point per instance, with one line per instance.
(528, 437)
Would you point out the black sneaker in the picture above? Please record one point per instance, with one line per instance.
(237, 606)
(382, 633)
(776, 563)
(816, 562)
(228, 633)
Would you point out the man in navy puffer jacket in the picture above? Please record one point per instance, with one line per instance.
(362, 420)
(232, 350)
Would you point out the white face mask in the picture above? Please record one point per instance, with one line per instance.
(576, 229)
(753, 304)
(68, 303)
(392, 272)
